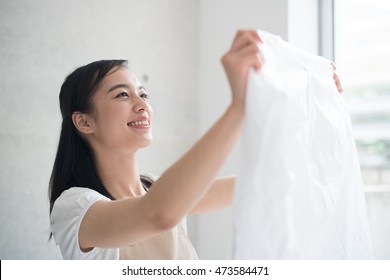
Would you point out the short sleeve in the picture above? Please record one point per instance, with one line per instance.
(66, 216)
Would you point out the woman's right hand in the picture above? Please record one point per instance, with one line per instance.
(243, 55)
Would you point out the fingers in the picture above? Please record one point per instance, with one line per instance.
(245, 51)
(338, 83)
(333, 65)
(241, 60)
(336, 78)
(250, 56)
(244, 38)
(243, 55)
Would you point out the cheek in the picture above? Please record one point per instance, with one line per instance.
(112, 116)
(150, 111)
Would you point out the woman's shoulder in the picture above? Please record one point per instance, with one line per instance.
(80, 191)
(80, 194)
(76, 198)
(66, 216)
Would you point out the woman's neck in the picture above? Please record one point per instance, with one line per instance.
(119, 173)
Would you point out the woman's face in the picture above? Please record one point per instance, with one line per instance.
(123, 116)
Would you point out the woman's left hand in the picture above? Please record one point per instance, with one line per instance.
(337, 79)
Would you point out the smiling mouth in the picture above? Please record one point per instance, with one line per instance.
(143, 123)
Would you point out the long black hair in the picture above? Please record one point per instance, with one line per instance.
(74, 163)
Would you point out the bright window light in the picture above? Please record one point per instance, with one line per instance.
(362, 53)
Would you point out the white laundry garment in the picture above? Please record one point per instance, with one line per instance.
(299, 193)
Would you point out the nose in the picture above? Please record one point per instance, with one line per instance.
(141, 105)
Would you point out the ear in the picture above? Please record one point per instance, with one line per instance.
(83, 122)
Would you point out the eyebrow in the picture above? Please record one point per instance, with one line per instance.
(124, 86)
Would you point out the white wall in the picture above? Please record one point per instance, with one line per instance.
(40, 43)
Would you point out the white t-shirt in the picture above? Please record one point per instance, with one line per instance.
(68, 212)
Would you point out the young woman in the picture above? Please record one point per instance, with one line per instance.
(101, 208)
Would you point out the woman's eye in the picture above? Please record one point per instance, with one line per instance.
(144, 96)
(122, 94)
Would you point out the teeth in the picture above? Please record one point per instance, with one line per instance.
(137, 123)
